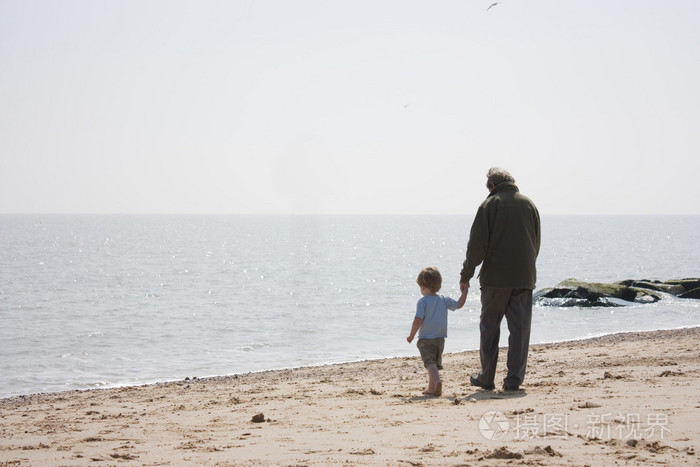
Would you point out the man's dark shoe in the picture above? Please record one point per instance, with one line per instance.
(474, 379)
(514, 387)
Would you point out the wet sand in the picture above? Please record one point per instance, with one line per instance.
(625, 399)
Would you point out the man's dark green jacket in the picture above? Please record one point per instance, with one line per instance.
(505, 237)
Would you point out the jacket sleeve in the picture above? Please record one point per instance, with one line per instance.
(538, 231)
(478, 243)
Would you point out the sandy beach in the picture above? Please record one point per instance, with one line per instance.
(626, 399)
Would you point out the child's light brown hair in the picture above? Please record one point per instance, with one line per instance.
(430, 278)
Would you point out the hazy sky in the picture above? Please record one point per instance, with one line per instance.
(329, 106)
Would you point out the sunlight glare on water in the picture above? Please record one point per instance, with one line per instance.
(89, 301)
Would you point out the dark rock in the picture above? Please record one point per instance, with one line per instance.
(572, 292)
(575, 293)
(695, 293)
(687, 284)
(673, 289)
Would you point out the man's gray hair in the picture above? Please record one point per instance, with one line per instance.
(498, 175)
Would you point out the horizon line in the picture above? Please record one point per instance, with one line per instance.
(300, 214)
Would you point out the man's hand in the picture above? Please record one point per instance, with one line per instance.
(464, 288)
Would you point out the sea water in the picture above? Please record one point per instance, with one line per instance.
(102, 300)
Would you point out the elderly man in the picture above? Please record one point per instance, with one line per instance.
(505, 237)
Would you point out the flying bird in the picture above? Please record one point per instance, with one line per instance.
(492, 5)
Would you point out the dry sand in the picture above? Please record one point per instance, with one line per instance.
(626, 399)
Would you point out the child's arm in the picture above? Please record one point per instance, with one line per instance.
(462, 299)
(417, 322)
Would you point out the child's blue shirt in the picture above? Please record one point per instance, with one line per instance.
(432, 309)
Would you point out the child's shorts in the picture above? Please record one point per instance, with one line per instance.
(431, 351)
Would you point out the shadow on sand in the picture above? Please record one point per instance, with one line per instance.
(480, 395)
(484, 395)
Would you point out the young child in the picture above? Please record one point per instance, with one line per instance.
(431, 319)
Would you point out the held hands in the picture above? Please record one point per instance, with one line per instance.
(464, 287)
